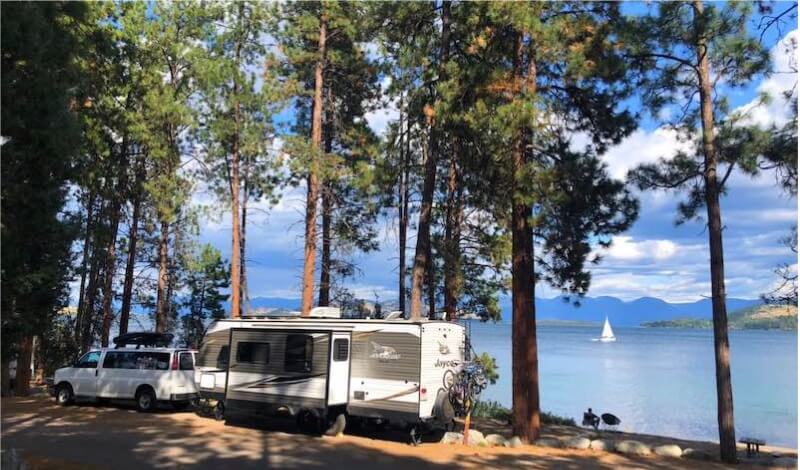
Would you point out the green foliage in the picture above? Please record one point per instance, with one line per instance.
(206, 275)
(489, 365)
(743, 319)
(494, 410)
(40, 138)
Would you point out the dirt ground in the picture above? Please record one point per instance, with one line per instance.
(89, 436)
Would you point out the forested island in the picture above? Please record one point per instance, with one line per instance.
(761, 317)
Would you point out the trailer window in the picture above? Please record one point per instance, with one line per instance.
(340, 348)
(222, 357)
(253, 353)
(299, 351)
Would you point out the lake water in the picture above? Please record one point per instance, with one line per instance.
(658, 381)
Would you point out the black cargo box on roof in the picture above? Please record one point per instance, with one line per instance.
(144, 338)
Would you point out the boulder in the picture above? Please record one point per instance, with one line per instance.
(600, 444)
(577, 442)
(496, 440)
(474, 437)
(452, 438)
(696, 454)
(514, 442)
(632, 448)
(668, 450)
(483, 443)
(784, 462)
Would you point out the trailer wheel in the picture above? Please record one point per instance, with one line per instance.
(308, 421)
(415, 435)
(219, 411)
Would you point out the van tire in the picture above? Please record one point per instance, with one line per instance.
(146, 399)
(64, 394)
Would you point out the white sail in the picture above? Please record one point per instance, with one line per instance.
(608, 333)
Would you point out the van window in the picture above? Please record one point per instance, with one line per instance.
(340, 349)
(254, 353)
(111, 360)
(186, 361)
(146, 361)
(89, 360)
(299, 351)
(222, 357)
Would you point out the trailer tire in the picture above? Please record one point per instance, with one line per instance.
(219, 411)
(308, 421)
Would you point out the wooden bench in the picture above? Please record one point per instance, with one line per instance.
(752, 445)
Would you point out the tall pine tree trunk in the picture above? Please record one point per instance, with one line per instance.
(111, 250)
(452, 235)
(87, 248)
(163, 278)
(327, 211)
(235, 188)
(525, 364)
(727, 433)
(403, 192)
(133, 237)
(310, 254)
(245, 296)
(423, 249)
(23, 378)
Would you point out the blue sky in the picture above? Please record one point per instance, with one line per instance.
(654, 258)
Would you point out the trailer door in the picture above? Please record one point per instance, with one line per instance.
(339, 373)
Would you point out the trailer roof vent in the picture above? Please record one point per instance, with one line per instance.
(394, 315)
(326, 312)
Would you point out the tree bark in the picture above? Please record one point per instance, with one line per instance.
(5, 380)
(403, 193)
(327, 212)
(163, 278)
(452, 236)
(422, 253)
(313, 183)
(23, 378)
(87, 248)
(133, 237)
(235, 189)
(525, 364)
(245, 296)
(727, 433)
(111, 250)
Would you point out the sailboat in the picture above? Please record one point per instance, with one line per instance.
(608, 334)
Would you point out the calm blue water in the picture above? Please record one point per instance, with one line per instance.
(658, 381)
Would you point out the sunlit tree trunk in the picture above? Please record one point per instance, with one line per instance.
(423, 249)
(313, 181)
(133, 237)
(727, 433)
(163, 278)
(23, 378)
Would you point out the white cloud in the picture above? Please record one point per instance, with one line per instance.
(641, 147)
(783, 79)
(626, 249)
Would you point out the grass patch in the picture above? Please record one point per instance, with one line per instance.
(494, 410)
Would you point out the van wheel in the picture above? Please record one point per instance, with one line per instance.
(146, 400)
(219, 411)
(64, 395)
(337, 426)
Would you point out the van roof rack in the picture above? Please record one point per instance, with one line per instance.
(144, 338)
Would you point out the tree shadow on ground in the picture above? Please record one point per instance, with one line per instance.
(119, 437)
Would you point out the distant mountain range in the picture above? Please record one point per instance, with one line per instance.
(591, 309)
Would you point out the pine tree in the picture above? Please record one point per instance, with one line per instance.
(40, 135)
(206, 275)
(678, 48)
(235, 119)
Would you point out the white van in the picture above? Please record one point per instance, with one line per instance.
(147, 375)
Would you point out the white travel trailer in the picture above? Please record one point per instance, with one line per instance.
(321, 368)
